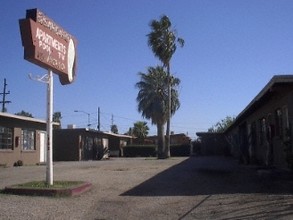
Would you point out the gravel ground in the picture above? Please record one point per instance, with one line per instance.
(139, 188)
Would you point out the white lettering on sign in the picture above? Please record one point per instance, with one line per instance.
(55, 63)
(48, 23)
(46, 42)
(45, 47)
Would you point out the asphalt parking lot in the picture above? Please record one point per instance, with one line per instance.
(147, 188)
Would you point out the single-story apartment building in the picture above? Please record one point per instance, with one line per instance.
(22, 139)
(77, 144)
(117, 142)
(262, 132)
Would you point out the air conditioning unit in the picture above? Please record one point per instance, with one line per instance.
(71, 126)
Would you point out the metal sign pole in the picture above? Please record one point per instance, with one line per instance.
(48, 79)
(49, 171)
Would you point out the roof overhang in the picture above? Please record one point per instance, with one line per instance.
(117, 135)
(24, 118)
(275, 85)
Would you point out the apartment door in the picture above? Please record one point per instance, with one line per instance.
(43, 144)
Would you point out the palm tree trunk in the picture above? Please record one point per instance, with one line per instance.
(161, 141)
(167, 148)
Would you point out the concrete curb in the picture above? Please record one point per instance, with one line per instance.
(50, 192)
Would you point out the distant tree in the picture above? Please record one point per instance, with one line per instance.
(140, 130)
(152, 100)
(24, 113)
(129, 132)
(222, 125)
(57, 117)
(114, 129)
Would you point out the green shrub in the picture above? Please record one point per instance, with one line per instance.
(18, 163)
(140, 151)
(180, 150)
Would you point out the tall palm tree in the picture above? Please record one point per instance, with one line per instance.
(152, 100)
(163, 41)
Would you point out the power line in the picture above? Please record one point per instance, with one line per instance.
(107, 119)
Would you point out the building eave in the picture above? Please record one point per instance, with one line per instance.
(258, 100)
(24, 118)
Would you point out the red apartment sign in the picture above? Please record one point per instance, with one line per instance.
(48, 45)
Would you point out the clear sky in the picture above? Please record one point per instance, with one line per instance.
(232, 49)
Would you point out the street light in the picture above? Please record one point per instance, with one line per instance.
(88, 117)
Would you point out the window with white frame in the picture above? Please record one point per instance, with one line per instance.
(28, 139)
(6, 137)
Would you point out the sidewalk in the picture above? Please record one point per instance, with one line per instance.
(138, 188)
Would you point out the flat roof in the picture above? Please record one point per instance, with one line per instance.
(117, 135)
(106, 133)
(24, 118)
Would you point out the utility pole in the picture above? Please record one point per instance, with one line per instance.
(99, 122)
(4, 93)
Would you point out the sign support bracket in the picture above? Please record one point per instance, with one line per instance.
(42, 79)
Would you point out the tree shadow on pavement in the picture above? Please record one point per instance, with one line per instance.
(210, 176)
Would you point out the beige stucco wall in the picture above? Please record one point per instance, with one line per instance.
(9, 157)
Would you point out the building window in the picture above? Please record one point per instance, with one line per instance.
(28, 139)
(279, 122)
(6, 135)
